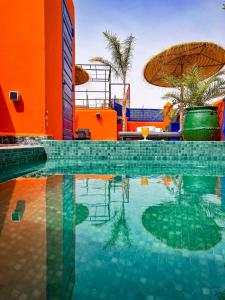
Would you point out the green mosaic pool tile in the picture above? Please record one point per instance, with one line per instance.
(125, 150)
(21, 155)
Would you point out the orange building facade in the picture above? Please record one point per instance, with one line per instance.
(37, 60)
(102, 123)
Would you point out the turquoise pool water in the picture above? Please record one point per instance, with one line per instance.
(137, 233)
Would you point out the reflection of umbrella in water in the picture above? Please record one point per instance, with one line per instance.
(182, 226)
(82, 213)
(177, 60)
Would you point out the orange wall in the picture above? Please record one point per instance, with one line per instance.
(53, 70)
(101, 129)
(53, 63)
(31, 63)
(22, 66)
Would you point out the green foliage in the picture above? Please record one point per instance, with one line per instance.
(121, 59)
(196, 91)
(120, 230)
(220, 295)
(121, 54)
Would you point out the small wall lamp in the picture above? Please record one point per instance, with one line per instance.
(14, 95)
(98, 116)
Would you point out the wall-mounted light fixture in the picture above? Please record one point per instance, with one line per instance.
(98, 116)
(14, 95)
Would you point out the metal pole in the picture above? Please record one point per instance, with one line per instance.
(182, 107)
(182, 99)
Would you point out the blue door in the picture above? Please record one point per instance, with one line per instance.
(67, 75)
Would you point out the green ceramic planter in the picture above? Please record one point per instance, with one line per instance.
(201, 124)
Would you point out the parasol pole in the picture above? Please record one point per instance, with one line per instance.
(182, 98)
(182, 107)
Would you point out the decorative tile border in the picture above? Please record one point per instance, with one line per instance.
(126, 151)
(120, 154)
(21, 155)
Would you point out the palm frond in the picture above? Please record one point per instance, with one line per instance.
(127, 53)
(174, 97)
(121, 56)
(171, 81)
(215, 90)
(197, 91)
(114, 45)
(105, 62)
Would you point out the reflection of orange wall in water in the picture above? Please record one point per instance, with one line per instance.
(167, 180)
(104, 128)
(23, 244)
(31, 63)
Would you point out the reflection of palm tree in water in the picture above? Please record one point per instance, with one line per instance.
(119, 226)
(119, 229)
(220, 295)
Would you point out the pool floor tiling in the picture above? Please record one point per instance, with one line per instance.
(112, 235)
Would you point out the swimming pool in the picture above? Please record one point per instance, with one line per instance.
(75, 232)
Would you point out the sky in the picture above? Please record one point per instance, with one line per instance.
(156, 25)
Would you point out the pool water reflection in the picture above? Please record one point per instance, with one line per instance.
(112, 237)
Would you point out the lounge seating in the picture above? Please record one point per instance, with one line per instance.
(152, 136)
(82, 134)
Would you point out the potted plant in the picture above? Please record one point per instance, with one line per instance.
(193, 96)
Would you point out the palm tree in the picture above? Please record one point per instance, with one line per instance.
(193, 90)
(122, 53)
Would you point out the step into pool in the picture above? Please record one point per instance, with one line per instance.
(89, 232)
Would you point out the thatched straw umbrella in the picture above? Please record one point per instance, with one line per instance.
(177, 60)
(81, 76)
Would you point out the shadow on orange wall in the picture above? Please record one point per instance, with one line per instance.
(19, 106)
(6, 122)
